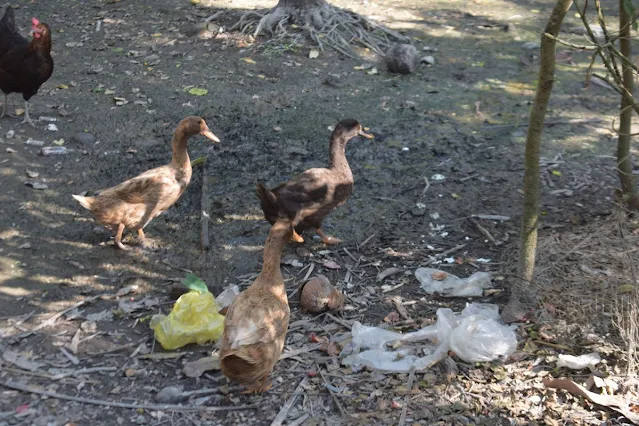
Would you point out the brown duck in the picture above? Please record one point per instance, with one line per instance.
(308, 198)
(133, 203)
(256, 322)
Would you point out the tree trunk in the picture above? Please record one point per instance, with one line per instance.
(301, 4)
(526, 264)
(624, 161)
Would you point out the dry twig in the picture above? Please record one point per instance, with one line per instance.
(281, 416)
(154, 407)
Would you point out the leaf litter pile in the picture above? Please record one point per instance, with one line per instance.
(139, 383)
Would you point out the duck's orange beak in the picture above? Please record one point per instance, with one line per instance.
(209, 134)
(366, 135)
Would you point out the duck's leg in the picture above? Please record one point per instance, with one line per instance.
(144, 243)
(297, 237)
(327, 239)
(259, 387)
(118, 237)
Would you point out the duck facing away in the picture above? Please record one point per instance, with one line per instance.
(133, 203)
(256, 322)
(309, 197)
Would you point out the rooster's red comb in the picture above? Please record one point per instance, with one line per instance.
(35, 21)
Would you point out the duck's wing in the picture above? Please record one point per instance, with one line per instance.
(251, 321)
(310, 187)
(148, 187)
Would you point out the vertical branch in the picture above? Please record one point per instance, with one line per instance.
(530, 217)
(624, 161)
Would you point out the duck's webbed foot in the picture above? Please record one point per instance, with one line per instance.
(327, 239)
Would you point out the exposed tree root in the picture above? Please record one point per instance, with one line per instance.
(325, 24)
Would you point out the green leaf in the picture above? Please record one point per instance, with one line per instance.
(197, 91)
(193, 282)
(629, 8)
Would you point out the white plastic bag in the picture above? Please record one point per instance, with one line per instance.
(479, 339)
(372, 337)
(453, 286)
(475, 335)
(579, 362)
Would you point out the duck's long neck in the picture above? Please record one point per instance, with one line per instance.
(271, 274)
(338, 155)
(180, 159)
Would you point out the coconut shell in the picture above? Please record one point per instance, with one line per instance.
(318, 295)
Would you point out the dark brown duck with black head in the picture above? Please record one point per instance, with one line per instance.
(309, 197)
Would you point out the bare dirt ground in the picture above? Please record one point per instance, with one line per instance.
(272, 106)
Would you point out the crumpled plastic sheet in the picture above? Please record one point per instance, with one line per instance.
(475, 335)
(193, 319)
(453, 286)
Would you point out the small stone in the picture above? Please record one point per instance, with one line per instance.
(418, 211)
(277, 128)
(25, 246)
(410, 104)
(429, 49)
(36, 185)
(10, 134)
(83, 138)
(170, 395)
(401, 58)
(11, 150)
(129, 372)
(152, 60)
(430, 60)
(510, 28)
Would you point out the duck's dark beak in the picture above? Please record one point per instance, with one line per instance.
(364, 134)
(209, 134)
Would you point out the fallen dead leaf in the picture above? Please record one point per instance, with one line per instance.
(330, 264)
(198, 367)
(439, 275)
(387, 273)
(21, 361)
(331, 348)
(392, 317)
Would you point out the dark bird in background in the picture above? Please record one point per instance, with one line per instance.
(24, 65)
(309, 197)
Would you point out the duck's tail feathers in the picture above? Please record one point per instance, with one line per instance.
(86, 202)
(269, 204)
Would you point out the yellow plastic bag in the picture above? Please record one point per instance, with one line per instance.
(193, 319)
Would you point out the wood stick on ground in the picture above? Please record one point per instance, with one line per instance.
(485, 232)
(335, 398)
(299, 421)
(445, 253)
(50, 321)
(83, 371)
(297, 352)
(154, 407)
(363, 243)
(546, 123)
(411, 379)
(281, 416)
(205, 241)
